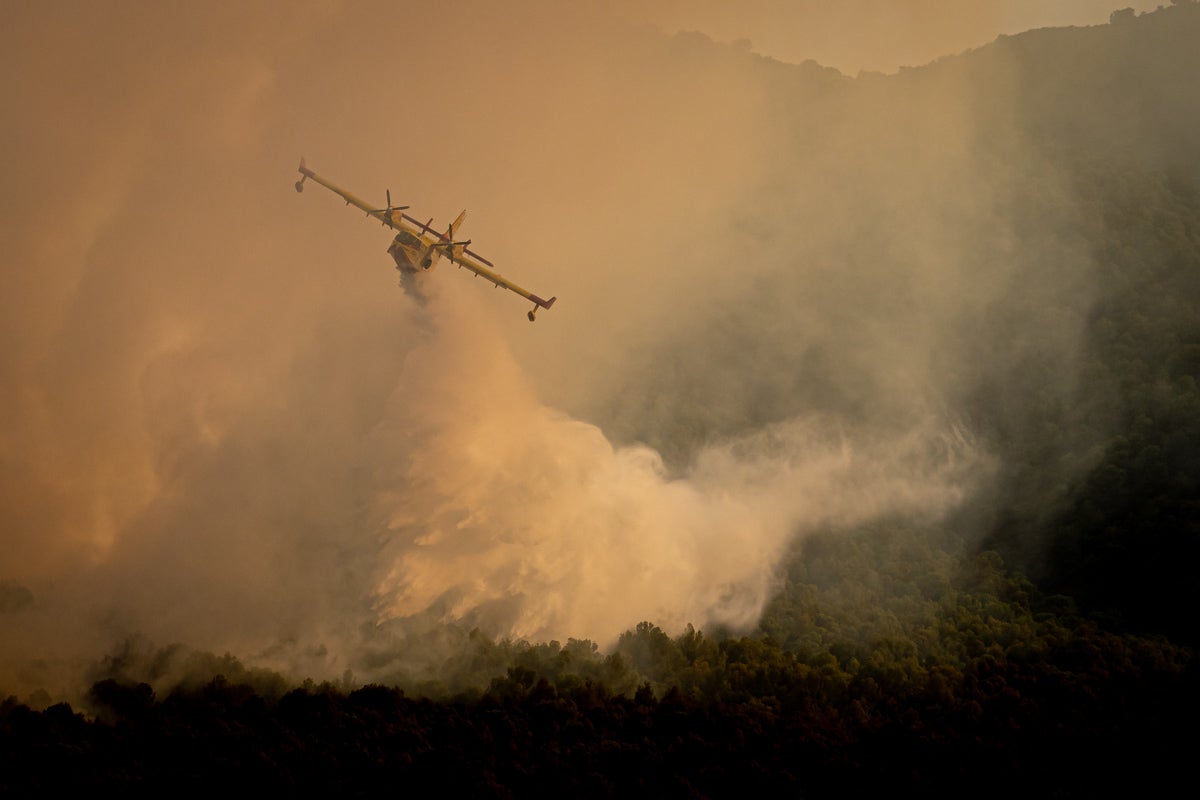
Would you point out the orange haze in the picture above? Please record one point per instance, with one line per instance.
(222, 422)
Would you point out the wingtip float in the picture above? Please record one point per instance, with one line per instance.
(417, 247)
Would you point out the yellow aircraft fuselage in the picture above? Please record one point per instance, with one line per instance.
(411, 253)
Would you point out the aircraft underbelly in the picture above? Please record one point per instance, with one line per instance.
(406, 258)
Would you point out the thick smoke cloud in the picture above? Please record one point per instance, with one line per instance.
(221, 423)
(515, 517)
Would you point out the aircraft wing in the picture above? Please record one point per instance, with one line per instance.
(471, 262)
(463, 257)
(388, 216)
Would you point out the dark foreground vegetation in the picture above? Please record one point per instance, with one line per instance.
(1040, 644)
(963, 682)
(1038, 709)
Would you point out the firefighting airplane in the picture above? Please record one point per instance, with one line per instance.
(418, 247)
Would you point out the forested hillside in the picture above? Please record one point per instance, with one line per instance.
(1117, 110)
(1039, 639)
(1077, 370)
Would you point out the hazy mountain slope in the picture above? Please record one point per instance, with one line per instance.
(1080, 373)
(835, 307)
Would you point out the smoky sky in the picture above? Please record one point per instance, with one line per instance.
(223, 423)
(873, 35)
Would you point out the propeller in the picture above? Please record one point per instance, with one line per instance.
(447, 246)
(450, 244)
(388, 211)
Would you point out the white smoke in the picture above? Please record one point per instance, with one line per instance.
(509, 514)
(222, 424)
